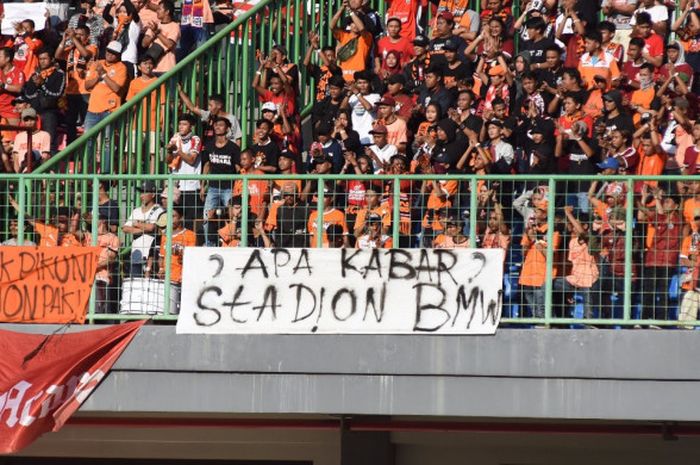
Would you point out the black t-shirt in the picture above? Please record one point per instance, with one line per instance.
(620, 122)
(221, 160)
(266, 154)
(537, 49)
(462, 70)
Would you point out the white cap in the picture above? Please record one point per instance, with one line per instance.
(269, 106)
(115, 46)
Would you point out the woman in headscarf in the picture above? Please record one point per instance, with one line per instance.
(676, 64)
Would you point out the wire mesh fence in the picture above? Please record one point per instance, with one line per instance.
(585, 251)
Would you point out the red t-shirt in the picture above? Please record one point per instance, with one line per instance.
(283, 97)
(690, 160)
(654, 45)
(403, 46)
(13, 77)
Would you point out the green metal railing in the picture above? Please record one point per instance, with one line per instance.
(30, 192)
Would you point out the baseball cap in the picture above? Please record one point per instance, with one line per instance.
(269, 106)
(447, 16)
(379, 129)
(495, 122)
(421, 41)
(610, 163)
(387, 101)
(450, 45)
(115, 47)
(28, 113)
(148, 186)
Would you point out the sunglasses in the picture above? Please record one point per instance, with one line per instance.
(28, 118)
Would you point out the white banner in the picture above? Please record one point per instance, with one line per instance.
(340, 291)
(18, 12)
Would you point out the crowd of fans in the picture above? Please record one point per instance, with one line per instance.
(568, 87)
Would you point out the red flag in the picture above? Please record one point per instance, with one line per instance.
(44, 379)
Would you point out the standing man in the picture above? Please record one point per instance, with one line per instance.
(106, 81)
(183, 158)
(220, 156)
(142, 224)
(43, 90)
(11, 82)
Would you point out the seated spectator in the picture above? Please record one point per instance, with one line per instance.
(265, 150)
(397, 131)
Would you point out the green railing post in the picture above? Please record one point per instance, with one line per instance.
(320, 207)
(21, 214)
(168, 247)
(396, 213)
(550, 253)
(473, 208)
(245, 92)
(245, 211)
(629, 219)
(94, 219)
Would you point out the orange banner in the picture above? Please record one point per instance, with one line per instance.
(46, 284)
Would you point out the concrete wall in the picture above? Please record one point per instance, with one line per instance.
(538, 374)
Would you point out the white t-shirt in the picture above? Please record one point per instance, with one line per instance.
(384, 154)
(148, 216)
(362, 119)
(658, 13)
(193, 144)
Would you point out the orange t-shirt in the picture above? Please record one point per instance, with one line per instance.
(102, 98)
(535, 265)
(257, 192)
(383, 211)
(329, 218)
(436, 203)
(642, 98)
(185, 238)
(651, 165)
(136, 86)
(107, 242)
(228, 235)
(691, 208)
(358, 61)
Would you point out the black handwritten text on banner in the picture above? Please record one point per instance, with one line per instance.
(331, 291)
